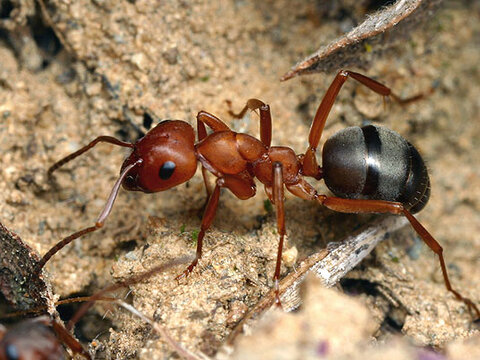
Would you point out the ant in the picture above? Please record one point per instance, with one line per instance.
(44, 338)
(370, 169)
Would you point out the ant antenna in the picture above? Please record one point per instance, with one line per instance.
(101, 218)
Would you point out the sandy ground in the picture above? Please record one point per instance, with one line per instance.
(122, 60)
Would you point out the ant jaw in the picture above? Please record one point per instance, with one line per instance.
(130, 182)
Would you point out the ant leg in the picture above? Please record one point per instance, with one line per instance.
(98, 224)
(208, 187)
(279, 197)
(211, 121)
(207, 220)
(310, 165)
(379, 206)
(205, 118)
(107, 139)
(265, 118)
(69, 340)
(241, 186)
(202, 134)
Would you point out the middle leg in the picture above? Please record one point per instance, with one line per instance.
(279, 199)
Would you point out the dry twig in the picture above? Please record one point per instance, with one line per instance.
(375, 34)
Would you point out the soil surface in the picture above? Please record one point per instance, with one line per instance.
(87, 68)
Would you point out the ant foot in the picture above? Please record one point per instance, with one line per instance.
(278, 303)
(188, 270)
(472, 308)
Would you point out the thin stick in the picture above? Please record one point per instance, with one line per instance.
(162, 331)
(40, 309)
(130, 281)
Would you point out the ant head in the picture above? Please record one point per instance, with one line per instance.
(168, 158)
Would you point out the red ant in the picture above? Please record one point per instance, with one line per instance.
(370, 169)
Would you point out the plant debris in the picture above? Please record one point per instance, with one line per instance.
(378, 32)
(18, 283)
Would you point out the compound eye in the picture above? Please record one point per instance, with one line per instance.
(167, 170)
(11, 351)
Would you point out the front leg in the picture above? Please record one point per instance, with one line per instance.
(242, 186)
(207, 220)
(204, 118)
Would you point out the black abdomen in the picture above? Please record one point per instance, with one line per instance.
(375, 163)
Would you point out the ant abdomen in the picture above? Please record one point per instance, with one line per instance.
(373, 162)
